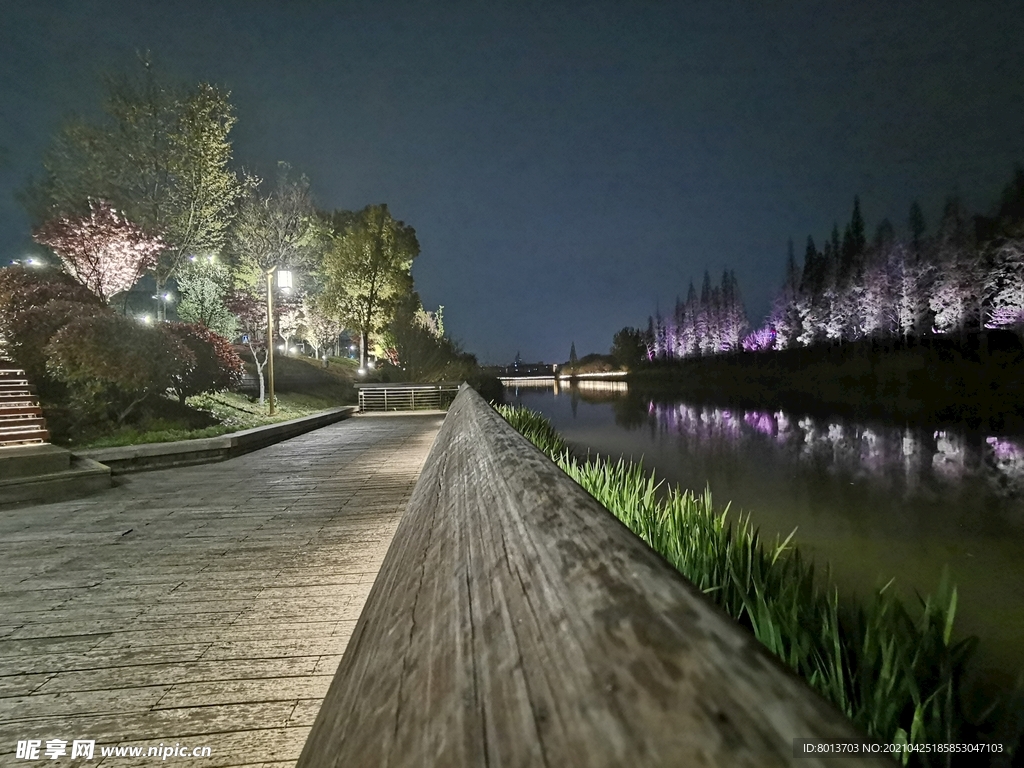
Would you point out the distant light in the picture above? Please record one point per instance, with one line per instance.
(369, 363)
(352, 348)
(293, 350)
(362, 371)
(191, 258)
(282, 347)
(168, 297)
(146, 319)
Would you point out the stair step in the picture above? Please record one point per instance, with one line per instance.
(21, 423)
(21, 419)
(25, 438)
(15, 411)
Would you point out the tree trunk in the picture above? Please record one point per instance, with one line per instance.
(161, 309)
(364, 340)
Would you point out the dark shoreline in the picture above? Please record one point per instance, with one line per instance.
(973, 383)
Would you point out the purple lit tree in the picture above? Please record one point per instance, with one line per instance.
(1006, 282)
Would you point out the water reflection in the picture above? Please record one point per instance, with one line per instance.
(904, 459)
(873, 499)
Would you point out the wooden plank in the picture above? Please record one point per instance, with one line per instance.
(210, 601)
(515, 622)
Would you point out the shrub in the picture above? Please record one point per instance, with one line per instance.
(34, 305)
(216, 365)
(111, 363)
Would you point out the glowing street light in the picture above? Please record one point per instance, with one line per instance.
(284, 282)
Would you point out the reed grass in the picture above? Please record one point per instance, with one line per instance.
(892, 668)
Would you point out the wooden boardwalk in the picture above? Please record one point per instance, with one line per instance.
(204, 606)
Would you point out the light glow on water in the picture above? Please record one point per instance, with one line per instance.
(876, 500)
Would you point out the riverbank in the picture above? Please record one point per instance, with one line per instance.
(977, 382)
(893, 668)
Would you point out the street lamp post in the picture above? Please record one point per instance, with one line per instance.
(270, 338)
(284, 280)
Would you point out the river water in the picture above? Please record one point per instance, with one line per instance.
(875, 500)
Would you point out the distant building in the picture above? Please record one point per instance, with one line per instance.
(519, 368)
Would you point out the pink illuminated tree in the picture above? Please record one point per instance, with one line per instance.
(103, 250)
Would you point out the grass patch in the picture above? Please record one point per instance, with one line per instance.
(229, 412)
(892, 668)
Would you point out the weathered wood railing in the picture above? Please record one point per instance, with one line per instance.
(515, 622)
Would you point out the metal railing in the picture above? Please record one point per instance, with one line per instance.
(406, 397)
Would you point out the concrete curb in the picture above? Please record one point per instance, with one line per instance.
(181, 453)
(82, 477)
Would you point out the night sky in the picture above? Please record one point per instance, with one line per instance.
(568, 167)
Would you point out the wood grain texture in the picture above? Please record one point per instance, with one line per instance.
(516, 622)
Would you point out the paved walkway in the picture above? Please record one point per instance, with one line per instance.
(204, 606)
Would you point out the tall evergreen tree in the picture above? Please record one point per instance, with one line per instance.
(885, 235)
(792, 272)
(916, 225)
(810, 279)
(1011, 205)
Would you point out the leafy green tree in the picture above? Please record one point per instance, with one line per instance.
(204, 286)
(278, 229)
(628, 348)
(366, 270)
(160, 155)
(415, 343)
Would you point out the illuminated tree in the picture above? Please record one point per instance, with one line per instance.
(760, 340)
(278, 229)
(251, 312)
(414, 342)
(204, 284)
(366, 270)
(322, 329)
(291, 319)
(161, 155)
(1006, 283)
(103, 250)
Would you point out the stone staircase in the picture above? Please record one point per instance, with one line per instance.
(21, 418)
(32, 470)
